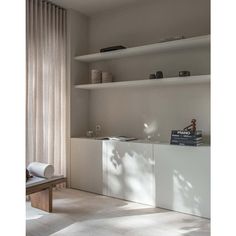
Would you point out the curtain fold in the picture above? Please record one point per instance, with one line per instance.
(46, 84)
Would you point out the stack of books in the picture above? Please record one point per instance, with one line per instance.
(186, 138)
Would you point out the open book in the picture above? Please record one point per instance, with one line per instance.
(119, 138)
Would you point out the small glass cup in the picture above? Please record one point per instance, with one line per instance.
(89, 133)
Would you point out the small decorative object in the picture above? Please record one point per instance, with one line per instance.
(96, 76)
(106, 77)
(152, 76)
(184, 73)
(192, 126)
(89, 133)
(112, 48)
(98, 130)
(159, 75)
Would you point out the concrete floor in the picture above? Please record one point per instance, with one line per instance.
(78, 213)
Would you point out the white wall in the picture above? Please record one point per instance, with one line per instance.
(125, 111)
(78, 44)
(148, 22)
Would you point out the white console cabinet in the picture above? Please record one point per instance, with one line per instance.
(129, 171)
(161, 175)
(183, 178)
(86, 165)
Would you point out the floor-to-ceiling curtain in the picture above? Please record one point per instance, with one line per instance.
(46, 84)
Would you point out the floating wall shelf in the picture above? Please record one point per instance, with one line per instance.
(197, 79)
(147, 49)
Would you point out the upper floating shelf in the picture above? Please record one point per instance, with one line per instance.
(147, 49)
(197, 79)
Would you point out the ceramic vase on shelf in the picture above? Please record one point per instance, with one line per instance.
(96, 76)
(106, 77)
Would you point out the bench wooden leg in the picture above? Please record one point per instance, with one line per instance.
(42, 200)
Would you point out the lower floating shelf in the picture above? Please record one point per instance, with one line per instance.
(197, 79)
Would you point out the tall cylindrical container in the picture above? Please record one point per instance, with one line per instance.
(96, 76)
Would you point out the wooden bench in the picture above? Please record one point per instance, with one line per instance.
(40, 191)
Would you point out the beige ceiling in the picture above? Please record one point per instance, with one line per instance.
(91, 7)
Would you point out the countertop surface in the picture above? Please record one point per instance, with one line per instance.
(136, 141)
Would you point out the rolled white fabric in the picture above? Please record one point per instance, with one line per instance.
(41, 169)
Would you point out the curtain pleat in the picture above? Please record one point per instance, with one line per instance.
(46, 84)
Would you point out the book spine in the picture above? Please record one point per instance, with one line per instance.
(186, 138)
(187, 144)
(183, 132)
(185, 141)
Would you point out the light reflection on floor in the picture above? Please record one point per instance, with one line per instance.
(82, 213)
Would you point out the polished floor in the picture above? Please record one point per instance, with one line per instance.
(78, 213)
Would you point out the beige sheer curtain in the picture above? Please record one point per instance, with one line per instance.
(46, 84)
